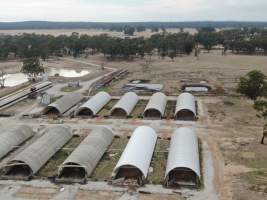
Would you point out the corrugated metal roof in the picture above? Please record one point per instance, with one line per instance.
(13, 137)
(65, 103)
(186, 101)
(158, 101)
(142, 87)
(139, 150)
(91, 150)
(184, 152)
(126, 103)
(38, 153)
(96, 103)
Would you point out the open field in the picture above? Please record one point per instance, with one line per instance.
(234, 162)
(91, 32)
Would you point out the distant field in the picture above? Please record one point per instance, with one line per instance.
(57, 32)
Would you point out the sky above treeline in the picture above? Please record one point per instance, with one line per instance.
(133, 10)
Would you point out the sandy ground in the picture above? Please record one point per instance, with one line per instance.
(235, 164)
(91, 32)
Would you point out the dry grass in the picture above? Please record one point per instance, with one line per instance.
(108, 162)
(139, 109)
(160, 197)
(36, 193)
(70, 89)
(105, 111)
(159, 161)
(170, 109)
(50, 168)
(100, 195)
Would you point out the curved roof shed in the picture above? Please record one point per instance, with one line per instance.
(29, 161)
(135, 160)
(156, 106)
(183, 166)
(125, 105)
(12, 138)
(64, 104)
(83, 160)
(94, 105)
(186, 107)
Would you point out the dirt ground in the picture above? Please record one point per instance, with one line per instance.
(91, 32)
(221, 72)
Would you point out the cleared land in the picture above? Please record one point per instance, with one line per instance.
(91, 32)
(227, 125)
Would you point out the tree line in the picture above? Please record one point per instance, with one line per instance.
(119, 25)
(240, 41)
(43, 46)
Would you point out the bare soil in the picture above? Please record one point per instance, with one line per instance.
(91, 32)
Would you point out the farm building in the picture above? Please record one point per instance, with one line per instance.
(125, 106)
(9, 139)
(183, 166)
(196, 87)
(64, 104)
(135, 160)
(83, 160)
(94, 105)
(29, 161)
(186, 107)
(155, 108)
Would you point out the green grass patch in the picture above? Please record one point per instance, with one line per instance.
(51, 167)
(70, 89)
(256, 177)
(159, 161)
(109, 87)
(53, 99)
(254, 157)
(170, 109)
(109, 160)
(105, 111)
(139, 108)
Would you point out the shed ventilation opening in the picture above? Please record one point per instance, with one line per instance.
(73, 171)
(130, 172)
(152, 114)
(182, 177)
(118, 112)
(18, 171)
(185, 115)
(85, 112)
(51, 111)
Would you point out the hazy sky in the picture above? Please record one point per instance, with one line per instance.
(133, 10)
